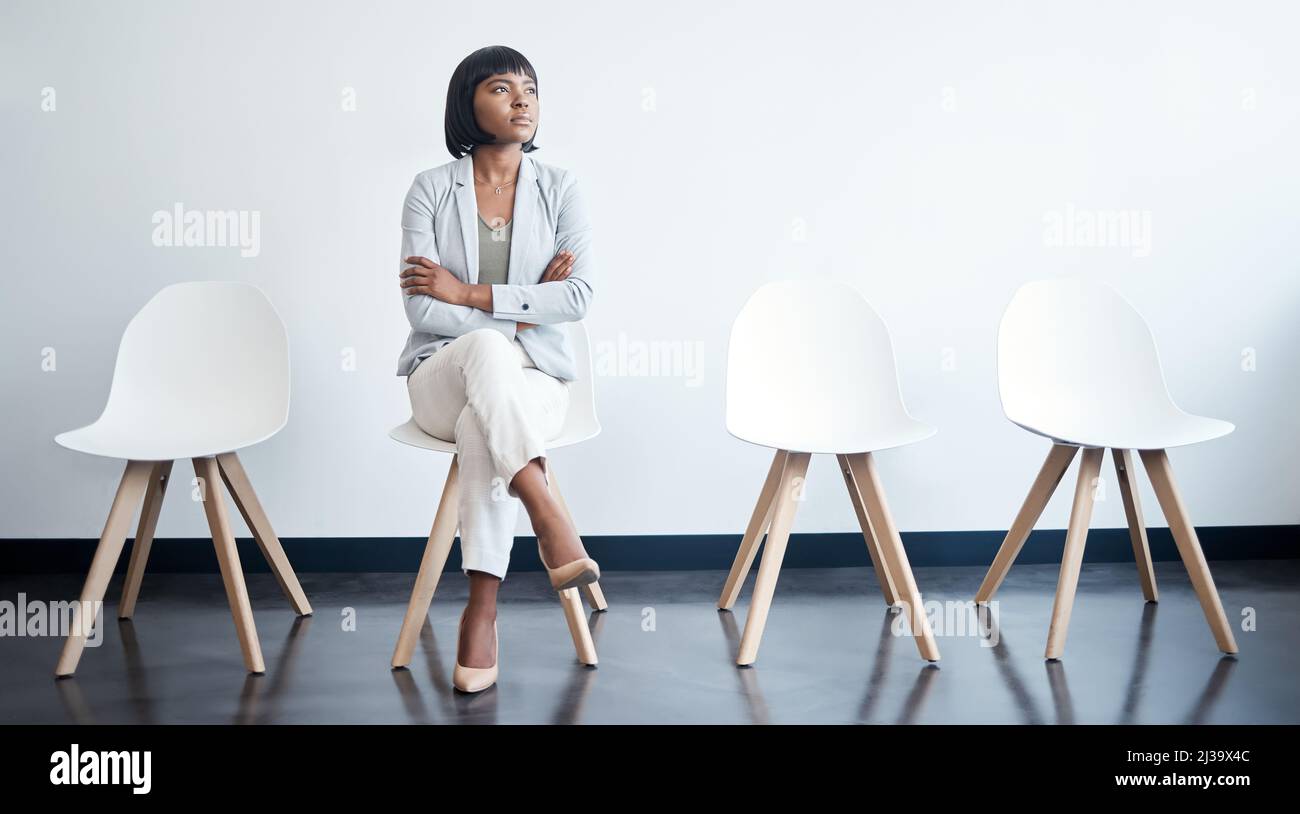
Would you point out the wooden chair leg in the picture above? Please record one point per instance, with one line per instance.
(758, 525)
(878, 561)
(785, 503)
(1072, 558)
(241, 489)
(153, 499)
(1049, 476)
(436, 550)
(1137, 529)
(595, 596)
(232, 573)
(882, 522)
(577, 621)
(130, 490)
(1189, 547)
(570, 598)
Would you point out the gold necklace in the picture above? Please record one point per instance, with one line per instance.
(498, 189)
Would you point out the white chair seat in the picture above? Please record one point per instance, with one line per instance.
(137, 441)
(1137, 432)
(866, 436)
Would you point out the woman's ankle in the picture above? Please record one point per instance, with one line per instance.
(560, 542)
(480, 610)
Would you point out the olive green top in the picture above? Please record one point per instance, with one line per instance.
(493, 253)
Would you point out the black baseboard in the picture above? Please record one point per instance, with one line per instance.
(671, 552)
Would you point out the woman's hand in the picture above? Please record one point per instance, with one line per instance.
(559, 267)
(427, 277)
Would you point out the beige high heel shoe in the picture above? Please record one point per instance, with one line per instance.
(474, 679)
(583, 571)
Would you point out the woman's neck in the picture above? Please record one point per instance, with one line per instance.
(497, 164)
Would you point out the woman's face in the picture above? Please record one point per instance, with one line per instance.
(506, 105)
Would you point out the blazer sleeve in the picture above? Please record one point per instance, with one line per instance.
(558, 300)
(428, 314)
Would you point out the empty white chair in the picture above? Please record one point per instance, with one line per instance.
(580, 424)
(202, 371)
(810, 369)
(1078, 365)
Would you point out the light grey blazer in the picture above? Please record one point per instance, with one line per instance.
(440, 222)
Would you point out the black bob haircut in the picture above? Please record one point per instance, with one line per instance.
(463, 132)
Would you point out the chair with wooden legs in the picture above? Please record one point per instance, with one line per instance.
(810, 369)
(202, 371)
(580, 425)
(1078, 365)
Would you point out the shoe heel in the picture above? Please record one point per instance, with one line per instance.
(575, 574)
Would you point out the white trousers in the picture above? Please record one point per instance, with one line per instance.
(483, 392)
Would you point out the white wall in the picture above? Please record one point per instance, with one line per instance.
(916, 148)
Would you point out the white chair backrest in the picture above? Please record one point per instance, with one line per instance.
(810, 352)
(1075, 355)
(210, 356)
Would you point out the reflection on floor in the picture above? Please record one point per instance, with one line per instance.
(667, 654)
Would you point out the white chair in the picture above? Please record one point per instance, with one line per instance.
(1078, 365)
(810, 369)
(580, 424)
(202, 371)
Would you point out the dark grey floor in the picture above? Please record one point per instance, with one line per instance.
(667, 654)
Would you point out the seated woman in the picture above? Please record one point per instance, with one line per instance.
(497, 253)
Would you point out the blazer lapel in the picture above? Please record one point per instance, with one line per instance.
(527, 200)
(467, 209)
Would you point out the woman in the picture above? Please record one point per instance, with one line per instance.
(497, 253)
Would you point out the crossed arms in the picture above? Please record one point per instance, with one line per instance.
(438, 302)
